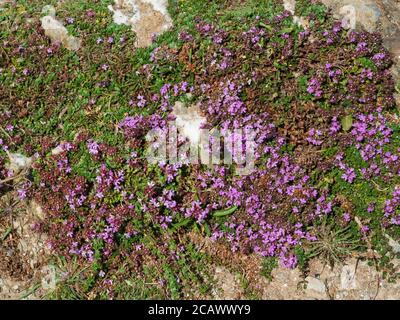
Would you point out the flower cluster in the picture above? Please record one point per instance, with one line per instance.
(392, 207)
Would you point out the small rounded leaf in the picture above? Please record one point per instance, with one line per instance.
(347, 122)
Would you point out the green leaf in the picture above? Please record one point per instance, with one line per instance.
(287, 30)
(30, 291)
(347, 122)
(5, 235)
(226, 212)
(266, 26)
(207, 229)
(397, 87)
(182, 223)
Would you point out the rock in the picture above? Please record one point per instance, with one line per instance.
(125, 12)
(353, 12)
(56, 31)
(56, 151)
(18, 162)
(393, 45)
(315, 285)
(36, 210)
(397, 98)
(228, 285)
(301, 21)
(290, 5)
(394, 244)
(189, 121)
(147, 18)
(348, 277)
(49, 10)
(348, 14)
(284, 285)
(390, 18)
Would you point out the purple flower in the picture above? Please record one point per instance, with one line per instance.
(184, 36)
(22, 194)
(346, 217)
(371, 207)
(365, 229)
(379, 56)
(349, 175)
(313, 135)
(361, 46)
(335, 125)
(314, 87)
(141, 101)
(289, 262)
(93, 147)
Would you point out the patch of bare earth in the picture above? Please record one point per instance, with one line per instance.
(354, 279)
(23, 252)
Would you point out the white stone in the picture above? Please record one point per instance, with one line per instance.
(18, 162)
(315, 284)
(57, 150)
(36, 210)
(49, 10)
(125, 12)
(348, 277)
(393, 243)
(189, 121)
(56, 31)
(146, 17)
(363, 12)
(158, 5)
(348, 13)
(302, 22)
(290, 5)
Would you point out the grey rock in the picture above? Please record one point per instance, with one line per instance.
(228, 285)
(348, 277)
(315, 284)
(56, 31)
(18, 162)
(393, 243)
(49, 10)
(356, 12)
